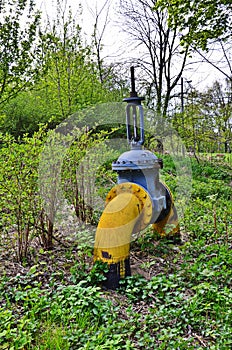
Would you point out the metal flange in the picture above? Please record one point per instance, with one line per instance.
(144, 198)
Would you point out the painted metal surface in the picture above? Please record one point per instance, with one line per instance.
(139, 199)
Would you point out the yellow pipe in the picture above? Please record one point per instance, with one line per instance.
(128, 210)
(115, 228)
(169, 225)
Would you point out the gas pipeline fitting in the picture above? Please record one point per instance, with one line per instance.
(138, 200)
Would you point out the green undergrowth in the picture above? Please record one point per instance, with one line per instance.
(180, 300)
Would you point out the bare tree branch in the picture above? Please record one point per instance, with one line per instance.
(159, 49)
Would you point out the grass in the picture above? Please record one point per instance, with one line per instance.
(180, 299)
(52, 336)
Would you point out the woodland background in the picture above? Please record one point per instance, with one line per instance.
(50, 291)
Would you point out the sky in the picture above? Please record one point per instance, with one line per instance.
(114, 40)
(90, 8)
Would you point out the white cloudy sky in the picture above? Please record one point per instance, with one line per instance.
(90, 8)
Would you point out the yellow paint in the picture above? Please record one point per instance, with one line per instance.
(169, 226)
(124, 214)
(128, 210)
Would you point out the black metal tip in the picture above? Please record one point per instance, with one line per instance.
(133, 92)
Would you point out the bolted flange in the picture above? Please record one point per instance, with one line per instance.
(144, 199)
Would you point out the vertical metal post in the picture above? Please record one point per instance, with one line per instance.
(133, 93)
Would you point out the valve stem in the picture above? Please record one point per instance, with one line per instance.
(134, 111)
(133, 93)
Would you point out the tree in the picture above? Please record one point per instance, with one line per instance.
(190, 123)
(68, 81)
(19, 49)
(161, 58)
(218, 56)
(75, 76)
(99, 29)
(217, 102)
(199, 21)
(206, 122)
